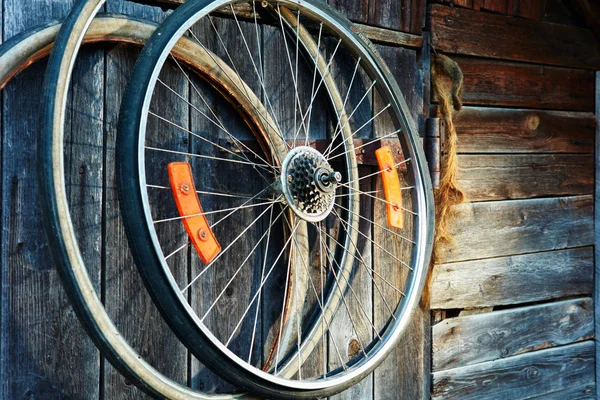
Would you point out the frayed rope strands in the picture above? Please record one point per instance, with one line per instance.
(449, 96)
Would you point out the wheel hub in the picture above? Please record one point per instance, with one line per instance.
(308, 183)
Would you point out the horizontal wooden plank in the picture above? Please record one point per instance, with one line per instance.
(462, 341)
(388, 36)
(519, 377)
(581, 392)
(508, 84)
(502, 228)
(500, 177)
(501, 130)
(512, 280)
(462, 31)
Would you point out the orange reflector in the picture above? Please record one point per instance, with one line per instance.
(391, 186)
(186, 198)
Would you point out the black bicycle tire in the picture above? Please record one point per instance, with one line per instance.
(139, 236)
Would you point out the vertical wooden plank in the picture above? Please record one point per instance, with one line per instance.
(386, 14)
(354, 10)
(223, 176)
(597, 236)
(126, 299)
(44, 351)
(352, 328)
(497, 6)
(412, 353)
(531, 9)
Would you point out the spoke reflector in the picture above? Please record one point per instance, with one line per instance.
(186, 199)
(391, 186)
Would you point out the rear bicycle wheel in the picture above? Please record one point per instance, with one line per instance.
(349, 169)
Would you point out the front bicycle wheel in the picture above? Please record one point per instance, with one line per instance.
(295, 216)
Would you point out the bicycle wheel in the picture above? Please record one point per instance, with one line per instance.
(351, 172)
(15, 55)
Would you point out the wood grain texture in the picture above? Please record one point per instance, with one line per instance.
(404, 15)
(462, 341)
(387, 36)
(513, 280)
(508, 84)
(531, 9)
(127, 301)
(597, 233)
(44, 352)
(483, 130)
(411, 380)
(460, 31)
(493, 229)
(501, 177)
(586, 391)
(354, 10)
(518, 377)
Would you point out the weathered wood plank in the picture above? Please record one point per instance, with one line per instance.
(44, 351)
(500, 177)
(497, 6)
(493, 229)
(460, 31)
(458, 3)
(495, 130)
(404, 15)
(507, 84)
(531, 9)
(411, 380)
(597, 234)
(354, 10)
(518, 377)
(387, 36)
(468, 340)
(582, 392)
(224, 176)
(512, 280)
(127, 301)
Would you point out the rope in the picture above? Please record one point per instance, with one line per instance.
(450, 96)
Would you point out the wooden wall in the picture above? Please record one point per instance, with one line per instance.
(512, 308)
(512, 297)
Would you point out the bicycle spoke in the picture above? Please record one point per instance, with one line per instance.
(204, 192)
(360, 128)
(344, 104)
(262, 283)
(183, 153)
(320, 303)
(376, 224)
(360, 305)
(262, 275)
(261, 81)
(337, 133)
(238, 269)
(294, 75)
(214, 212)
(239, 144)
(361, 261)
(212, 143)
(365, 265)
(382, 200)
(379, 246)
(344, 299)
(364, 144)
(223, 252)
(262, 115)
